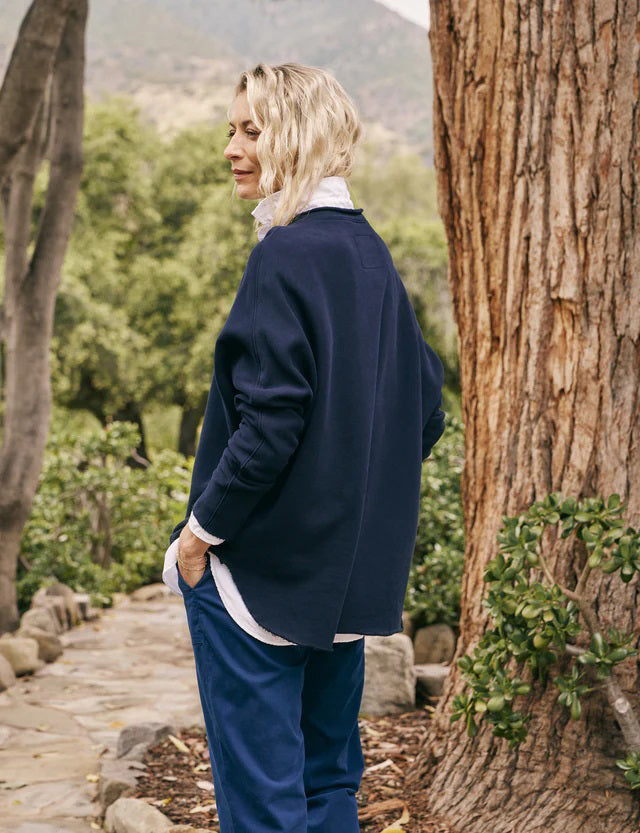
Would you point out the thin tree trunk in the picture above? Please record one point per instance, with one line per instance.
(27, 76)
(190, 419)
(31, 287)
(131, 413)
(536, 129)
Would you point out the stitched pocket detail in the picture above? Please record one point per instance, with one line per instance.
(191, 604)
(370, 254)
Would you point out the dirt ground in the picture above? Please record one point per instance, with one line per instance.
(178, 781)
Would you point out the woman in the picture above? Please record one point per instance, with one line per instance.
(303, 509)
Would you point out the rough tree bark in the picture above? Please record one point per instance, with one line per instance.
(31, 283)
(536, 130)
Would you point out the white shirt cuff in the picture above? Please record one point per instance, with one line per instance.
(170, 571)
(201, 533)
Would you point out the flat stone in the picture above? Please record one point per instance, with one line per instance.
(431, 676)
(29, 716)
(43, 827)
(53, 759)
(132, 815)
(54, 798)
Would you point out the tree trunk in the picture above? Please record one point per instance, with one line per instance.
(536, 130)
(190, 419)
(130, 412)
(27, 76)
(31, 284)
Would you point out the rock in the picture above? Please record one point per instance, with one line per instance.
(93, 613)
(55, 604)
(7, 674)
(430, 677)
(118, 598)
(408, 625)
(433, 644)
(149, 592)
(49, 645)
(389, 684)
(132, 815)
(22, 653)
(117, 779)
(137, 752)
(142, 733)
(41, 617)
(83, 602)
(60, 589)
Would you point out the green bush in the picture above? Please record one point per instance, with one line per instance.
(537, 622)
(99, 524)
(433, 592)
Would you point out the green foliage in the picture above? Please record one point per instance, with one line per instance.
(433, 591)
(631, 767)
(535, 618)
(157, 252)
(97, 523)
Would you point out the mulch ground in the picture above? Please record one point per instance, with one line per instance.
(178, 779)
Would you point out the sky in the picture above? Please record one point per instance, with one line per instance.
(414, 10)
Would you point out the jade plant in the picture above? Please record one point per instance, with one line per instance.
(536, 621)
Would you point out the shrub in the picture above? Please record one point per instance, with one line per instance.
(433, 591)
(99, 524)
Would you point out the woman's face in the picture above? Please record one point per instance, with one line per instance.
(241, 150)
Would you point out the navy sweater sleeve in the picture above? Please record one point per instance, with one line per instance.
(432, 377)
(268, 361)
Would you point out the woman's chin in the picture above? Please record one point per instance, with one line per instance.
(247, 191)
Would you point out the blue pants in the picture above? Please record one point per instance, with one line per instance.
(281, 723)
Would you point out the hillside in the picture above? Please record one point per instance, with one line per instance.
(180, 59)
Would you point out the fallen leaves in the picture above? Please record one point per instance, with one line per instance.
(178, 776)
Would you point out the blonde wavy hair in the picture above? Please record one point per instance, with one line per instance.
(309, 128)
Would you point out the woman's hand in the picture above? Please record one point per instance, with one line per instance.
(191, 556)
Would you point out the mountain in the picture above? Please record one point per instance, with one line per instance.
(180, 59)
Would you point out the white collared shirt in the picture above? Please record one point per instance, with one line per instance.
(330, 191)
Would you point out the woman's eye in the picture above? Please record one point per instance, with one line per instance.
(249, 133)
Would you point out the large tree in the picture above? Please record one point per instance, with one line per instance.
(41, 116)
(536, 130)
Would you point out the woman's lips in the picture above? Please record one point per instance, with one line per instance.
(244, 173)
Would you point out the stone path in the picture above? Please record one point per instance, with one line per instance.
(133, 664)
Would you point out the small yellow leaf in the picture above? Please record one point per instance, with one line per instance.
(404, 818)
(395, 825)
(91, 776)
(179, 745)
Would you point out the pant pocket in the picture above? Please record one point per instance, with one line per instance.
(190, 597)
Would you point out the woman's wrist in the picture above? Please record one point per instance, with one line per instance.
(192, 563)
